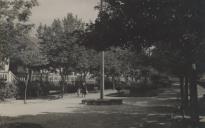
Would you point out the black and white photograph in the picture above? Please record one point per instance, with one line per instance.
(102, 64)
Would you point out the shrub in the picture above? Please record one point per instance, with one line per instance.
(3, 122)
(108, 83)
(92, 87)
(160, 80)
(20, 89)
(121, 85)
(70, 88)
(35, 89)
(45, 87)
(11, 90)
(146, 88)
(7, 90)
(155, 78)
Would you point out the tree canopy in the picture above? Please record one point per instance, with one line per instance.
(174, 28)
(14, 16)
(58, 40)
(144, 22)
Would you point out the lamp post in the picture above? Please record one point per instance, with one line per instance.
(102, 101)
(102, 85)
(102, 76)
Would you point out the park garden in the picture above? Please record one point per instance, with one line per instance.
(135, 46)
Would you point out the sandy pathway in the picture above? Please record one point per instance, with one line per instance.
(68, 104)
(35, 107)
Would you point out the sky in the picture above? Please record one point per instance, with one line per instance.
(48, 10)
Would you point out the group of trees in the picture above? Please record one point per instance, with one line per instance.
(174, 29)
(62, 44)
(14, 16)
(58, 47)
(59, 42)
(168, 35)
(15, 29)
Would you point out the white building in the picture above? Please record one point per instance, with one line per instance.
(5, 73)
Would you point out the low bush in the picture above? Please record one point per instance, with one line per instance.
(38, 88)
(35, 89)
(146, 87)
(160, 80)
(92, 87)
(121, 85)
(7, 90)
(70, 88)
(108, 83)
(20, 89)
(3, 122)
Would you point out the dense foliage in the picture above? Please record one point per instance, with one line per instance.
(7, 90)
(14, 16)
(173, 28)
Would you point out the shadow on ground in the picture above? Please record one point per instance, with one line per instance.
(202, 106)
(136, 112)
(143, 93)
(23, 125)
(49, 97)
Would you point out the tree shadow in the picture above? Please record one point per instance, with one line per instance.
(113, 116)
(137, 112)
(22, 125)
(202, 125)
(202, 106)
(50, 97)
(139, 93)
(162, 109)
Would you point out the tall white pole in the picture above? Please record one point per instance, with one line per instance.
(103, 77)
(103, 65)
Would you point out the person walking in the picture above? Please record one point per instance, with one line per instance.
(78, 91)
(84, 90)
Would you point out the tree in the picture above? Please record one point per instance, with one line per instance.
(112, 65)
(31, 58)
(14, 15)
(85, 61)
(176, 25)
(121, 62)
(58, 42)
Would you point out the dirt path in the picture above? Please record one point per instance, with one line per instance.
(68, 104)
(136, 112)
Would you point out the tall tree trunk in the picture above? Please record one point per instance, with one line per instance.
(81, 78)
(84, 77)
(26, 84)
(113, 82)
(63, 86)
(182, 94)
(62, 83)
(194, 97)
(126, 78)
(186, 92)
(132, 77)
